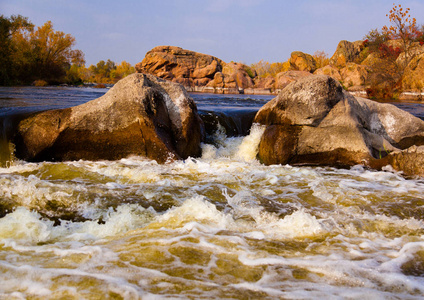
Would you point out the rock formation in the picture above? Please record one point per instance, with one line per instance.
(414, 74)
(179, 65)
(314, 121)
(354, 76)
(302, 62)
(284, 78)
(329, 71)
(346, 52)
(141, 115)
(232, 76)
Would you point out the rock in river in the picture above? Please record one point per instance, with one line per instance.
(141, 115)
(314, 121)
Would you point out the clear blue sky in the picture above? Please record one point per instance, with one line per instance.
(233, 30)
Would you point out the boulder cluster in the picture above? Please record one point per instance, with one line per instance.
(312, 121)
(351, 65)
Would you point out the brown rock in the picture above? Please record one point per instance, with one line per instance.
(265, 83)
(141, 115)
(302, 62)
(173, 63)
(234, 76)
(409, 161)
(314, 121)
(284, 78)
(346, 52)
(329, 71)
(414, 74)
(354, 75)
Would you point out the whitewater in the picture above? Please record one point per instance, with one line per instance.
(219, 226)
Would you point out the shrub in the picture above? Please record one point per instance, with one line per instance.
(40, 83)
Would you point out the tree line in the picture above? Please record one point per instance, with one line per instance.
(44, 56)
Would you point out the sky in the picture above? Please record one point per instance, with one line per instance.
(244, 31)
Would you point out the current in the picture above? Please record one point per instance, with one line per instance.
(220, 226)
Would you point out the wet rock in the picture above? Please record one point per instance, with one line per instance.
(314, 121)
(141, 115)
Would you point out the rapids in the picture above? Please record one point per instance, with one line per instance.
(220, 226)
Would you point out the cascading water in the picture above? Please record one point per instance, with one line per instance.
(219, 226)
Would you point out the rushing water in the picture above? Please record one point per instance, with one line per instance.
(220, 226)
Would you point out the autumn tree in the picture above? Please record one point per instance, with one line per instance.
(321, 59)
(403, 28)
(8, 28)
(265, 69)
(28, 54)
(392, 49)
(123, 70)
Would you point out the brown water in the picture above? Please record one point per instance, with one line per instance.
(221, 226)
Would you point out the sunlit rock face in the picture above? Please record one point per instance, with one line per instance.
(179, 65)
(141, 115)
(314, 121)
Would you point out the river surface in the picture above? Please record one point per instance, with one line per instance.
(219, 226)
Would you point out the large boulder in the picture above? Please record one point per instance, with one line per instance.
(346, 52)
(180, 65)
(414, 74)
(354, 76)
(234, 76)
(141, 115)
(314, 121)
(302, 62)
(329, 70)
(282, 79)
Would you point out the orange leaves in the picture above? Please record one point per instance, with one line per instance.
(403, 26)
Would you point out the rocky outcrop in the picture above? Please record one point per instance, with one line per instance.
(302, 62)
(354, 76)
(179, 65)
(414, 74)
(141, 115)
(233, 76)
(346, 52)
(329, 71)
(314, 121)
(284, 78)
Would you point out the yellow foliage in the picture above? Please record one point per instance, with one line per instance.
(321, 58)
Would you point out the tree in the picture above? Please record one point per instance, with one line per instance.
(404, 28)
(52, 53)
(27, 54)
(391, 51)
(8, 27)
(321, 59)
(123, 70)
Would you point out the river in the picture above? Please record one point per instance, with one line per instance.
(218, 226)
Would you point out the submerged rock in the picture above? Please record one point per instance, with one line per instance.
(141, 115)
(314, 121)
